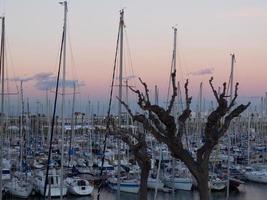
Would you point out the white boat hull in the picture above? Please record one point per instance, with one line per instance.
(217, 185)
(130, 187)
(54, 191)
(80, 190)
(153, 184)
(259, 177)
(179, 183)
(77, 186)
(20, 191)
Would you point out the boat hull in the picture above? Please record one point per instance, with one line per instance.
(21, 192)
(80, 190)
(153, 184)
(125, 187)
(179, 183)
(256, 177)
(54, 192)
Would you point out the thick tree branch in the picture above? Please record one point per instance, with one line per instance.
(174, 94)
(126, 107)
(186, 113)
(235, 113)
(233, 100)
(213, 90)
(187, 98)
(146, 90)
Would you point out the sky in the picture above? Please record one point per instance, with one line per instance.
(208, 32)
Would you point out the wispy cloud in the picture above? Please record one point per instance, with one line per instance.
(204, 71)
(47, 80)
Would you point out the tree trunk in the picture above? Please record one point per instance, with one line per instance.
(145, 167)
(203, 189)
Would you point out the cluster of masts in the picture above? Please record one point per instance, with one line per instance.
(62, 72)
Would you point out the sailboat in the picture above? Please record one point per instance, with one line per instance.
(79, 186)
(21, 185)
(2, 64)
(122, 184)
(49, 182)
(126, 185)
(257, 176)
(53, 189)
(181, 180)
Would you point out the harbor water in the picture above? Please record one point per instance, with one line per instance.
(248, 191)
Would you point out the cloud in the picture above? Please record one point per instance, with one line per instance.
(43, 75)
(204, 71)
(47, 80)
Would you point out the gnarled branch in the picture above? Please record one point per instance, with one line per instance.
(174, 94)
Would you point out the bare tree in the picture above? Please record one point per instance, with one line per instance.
(136, 140)
(162, 125)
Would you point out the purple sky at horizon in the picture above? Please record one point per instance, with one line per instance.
(208, 31)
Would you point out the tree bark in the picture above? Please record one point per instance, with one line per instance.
(145, 167)
(202, 178)
(203, 188)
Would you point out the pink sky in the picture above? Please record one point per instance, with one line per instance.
(208, 31)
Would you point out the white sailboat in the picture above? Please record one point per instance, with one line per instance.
(257, 176)
(179, 183)
(78, 186)
(126, 185)
(217, 184)
(154, 183)
(53, 186)
(19, 187)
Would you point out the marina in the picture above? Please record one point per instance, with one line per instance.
(247, 192)
(139, 144)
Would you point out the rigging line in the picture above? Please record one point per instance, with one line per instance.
(73, 64)
(180, 61)
(54, 113)
(228, 85)
(10, 59)
(130, 58)
(109, 109)
(2, 47)
(7, 89)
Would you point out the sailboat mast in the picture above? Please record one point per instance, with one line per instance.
(72, 121)
(200, 99)
(120, 96)
(63, 97)
(2, 64)
(174, 110)
(21, 124)
(228, 135)
(174, 48)
(232, 76)
(121, 62)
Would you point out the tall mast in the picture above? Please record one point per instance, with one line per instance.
(2, 64)
(232, 76)
(228, 135)
(156, 95)
(179, 97)
(120, 96)
(121, 62)
(65, 4)
(174, 48)
(174, 110)
(200, 99)
(21, 124)
(72, 121)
